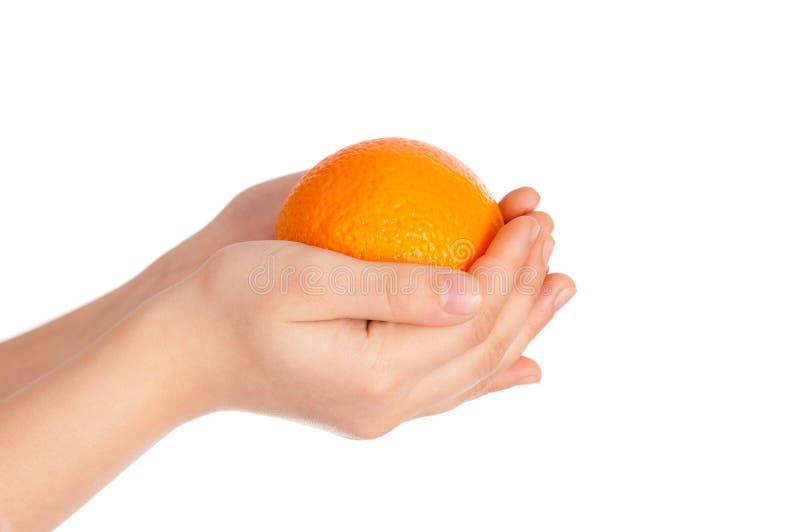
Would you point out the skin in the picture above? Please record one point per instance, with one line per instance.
(198, 332)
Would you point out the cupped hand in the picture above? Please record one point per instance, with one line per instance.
(267, 326)
(360, 347)
(251, 215)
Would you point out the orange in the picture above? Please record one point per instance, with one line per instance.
(392, 199)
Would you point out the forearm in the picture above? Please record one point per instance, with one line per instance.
(27, 357)
(250, 216)
(67, 435)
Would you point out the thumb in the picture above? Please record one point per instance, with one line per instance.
(393, 292)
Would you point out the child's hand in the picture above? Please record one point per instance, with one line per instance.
(95, 388)
(251, 215)
(359, 347)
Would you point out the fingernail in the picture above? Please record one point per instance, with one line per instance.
(547, 249)
(531, 378)
(563, 296)
(460, 295)
(535, 229)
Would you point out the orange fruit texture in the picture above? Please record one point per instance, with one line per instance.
(392, 199)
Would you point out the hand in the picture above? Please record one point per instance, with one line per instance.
(251, 215)
(271, 333)
(359, 362)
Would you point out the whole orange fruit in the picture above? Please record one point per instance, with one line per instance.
(392, 199)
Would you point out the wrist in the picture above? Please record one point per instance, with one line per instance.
(171, 354)
(171, 268)
(86, 421)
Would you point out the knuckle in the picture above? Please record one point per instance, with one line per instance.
(545, 220)
(494, 351)
(481, 388)
(558, 280)
(397, 301)
(393, 303)
(482, 325)
(382, 386)
(369, 428)
(380, 407)
(212, 276)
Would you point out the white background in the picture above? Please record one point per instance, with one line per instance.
(663, 137)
